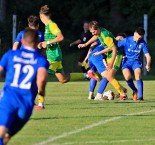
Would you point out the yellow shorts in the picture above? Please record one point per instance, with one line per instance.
(55, 67)
(117, 62)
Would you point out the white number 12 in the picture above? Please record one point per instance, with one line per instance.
(24, 83)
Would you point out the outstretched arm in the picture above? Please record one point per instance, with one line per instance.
(148, 61)
(94, 38)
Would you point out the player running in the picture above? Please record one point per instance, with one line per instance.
(26, 75)
(133, 46)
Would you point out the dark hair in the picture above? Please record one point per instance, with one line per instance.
(121, 34)
(140, 31)
(33, 20)
(94, 24)
(31, 36)
(45, 10)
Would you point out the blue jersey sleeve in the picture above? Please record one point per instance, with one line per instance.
(19, 36)
(121, 43)
(145, 49)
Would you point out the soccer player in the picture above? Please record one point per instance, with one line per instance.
(97, 63)
(33, 23)
(53, 36)
(133, 46)
(85, 36)
(114, 56)
(26, 75)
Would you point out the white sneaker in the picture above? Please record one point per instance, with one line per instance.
(91, 96)
(99, 97)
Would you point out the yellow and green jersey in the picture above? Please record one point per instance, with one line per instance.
(108, 40)
(53, 51)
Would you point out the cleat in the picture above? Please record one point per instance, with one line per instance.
(39, 108)
(124, 90)
(98, 98)
(91, 97)
(123, 97)
(135, 96)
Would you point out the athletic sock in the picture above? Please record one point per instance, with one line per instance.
(140, 88)
(102, 85)
(117, 86)
(131, 85)
(41, 100)
(92, 86)
(1, 141)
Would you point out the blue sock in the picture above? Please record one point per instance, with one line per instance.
(102, 86)
(1, 141)
(92, 86)
(131, 85)
(140, 88)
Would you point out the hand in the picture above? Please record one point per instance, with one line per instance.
(81, 45)
(96, 53)
(147, 68)
(44, 44)
(40, 45)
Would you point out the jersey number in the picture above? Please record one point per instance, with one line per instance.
(27, 69)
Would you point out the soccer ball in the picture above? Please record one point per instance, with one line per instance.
(108, 95)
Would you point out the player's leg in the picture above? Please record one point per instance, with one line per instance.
(100, 66)
(129, 80)
(62, 77)
(93, 81)
(57, 69)
(139, 81)
(111, 77)
(3, 131)
(84, 65)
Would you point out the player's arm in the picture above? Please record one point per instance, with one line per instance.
(15, 46)
(148, 61)
(18, 41)
(75, 43)
(110, 46)
(55, 31)
(41, 80)
(93, 39)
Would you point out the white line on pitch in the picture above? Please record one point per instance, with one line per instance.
(106, 142)
(66, 134)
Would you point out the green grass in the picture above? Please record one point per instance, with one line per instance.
(68, 112)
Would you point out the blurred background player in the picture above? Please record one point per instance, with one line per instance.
(113, 59)
(85, 36)
(133, 45)
(53, 36)
(33, 23)
(26, 75)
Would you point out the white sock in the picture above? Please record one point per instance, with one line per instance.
(41, 104)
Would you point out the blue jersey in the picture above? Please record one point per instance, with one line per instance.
(21, 35)
(21, 69)
(97, 62)
(132, 49)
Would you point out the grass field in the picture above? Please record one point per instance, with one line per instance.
(71, 119)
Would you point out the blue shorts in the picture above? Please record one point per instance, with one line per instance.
(131, 64)
(15, 110)
(96, 62)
